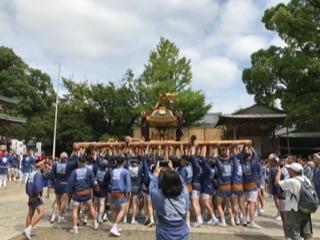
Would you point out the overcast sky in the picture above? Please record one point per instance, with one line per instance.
(98, 40)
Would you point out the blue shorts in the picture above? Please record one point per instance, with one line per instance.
(119, 201)
(61, 188)
(135, 190)
(196, 186)
(50, 184)
(275, 190)
(35, 203)
(207, 191)
(82, 198)
(223, 194)
(100, 193)
(237, 193)
(45, 183)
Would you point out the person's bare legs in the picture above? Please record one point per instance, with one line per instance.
(150, 211)
(119, 212)
(220, 210)
(275, 199)
(29, 216)
(101, 209)
(56, 207)
(126, 212)
(207, 205)
(30, 221)
(64, 201)
(197, 210)
(90, 207)
(134, 201)
(235, 204)
(40, 214)
(229, 208)
(145, 207)
(75, 214)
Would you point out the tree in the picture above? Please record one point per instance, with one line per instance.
(291, 73)
(72, 127)
(36, 94)
(167, 72)
(31, 86)
(108, 109)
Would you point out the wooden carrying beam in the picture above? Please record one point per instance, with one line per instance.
(96, 145)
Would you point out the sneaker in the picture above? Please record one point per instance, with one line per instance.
(237, 221)
(221, 223)
(105, 217)
(115, 232)
(85, 220)
(74, 230)
(212, 221)
(95, 225)
(53, 218)
(125, 219)
(261, 211)
(134, 221)
(146, 222)
(254, 225)
(278, 218)
(27, 233)
(60, 219)
(243, 221)
(151, 224)
(196, 224)
(232, 222)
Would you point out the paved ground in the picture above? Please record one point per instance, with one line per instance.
(13, 211)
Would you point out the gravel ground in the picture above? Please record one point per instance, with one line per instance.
(13, 211)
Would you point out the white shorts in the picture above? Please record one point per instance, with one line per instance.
(195, 194)
(251, 196)
(205, 196)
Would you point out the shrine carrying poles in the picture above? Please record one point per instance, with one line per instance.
(165, 143)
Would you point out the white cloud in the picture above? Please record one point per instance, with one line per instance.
(99, 39)
(277, 41)
(272, 3)
(229, 105)
(244, 46)
(215, 73)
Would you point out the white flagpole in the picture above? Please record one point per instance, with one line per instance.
(56, 117)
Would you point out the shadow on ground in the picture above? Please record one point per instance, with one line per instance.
(88, 233)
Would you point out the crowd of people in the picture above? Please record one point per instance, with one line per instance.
(16, 167)
(172, 188)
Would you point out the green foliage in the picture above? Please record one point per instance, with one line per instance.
(33, 88)
(193, 106)
(35, 92)
(168, 72)
(71, 127)
(107, 108)
(93, 112)
(291, 73)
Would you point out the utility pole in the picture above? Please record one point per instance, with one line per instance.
(56, 117)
